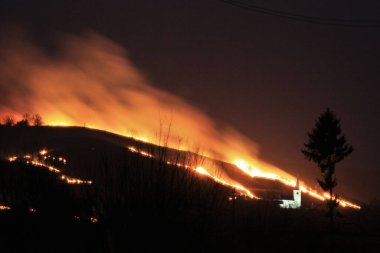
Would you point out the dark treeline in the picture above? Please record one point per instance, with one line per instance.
(26, 120)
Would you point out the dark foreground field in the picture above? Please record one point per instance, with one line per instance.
(141, 204)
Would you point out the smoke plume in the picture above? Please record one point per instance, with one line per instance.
(91, 81)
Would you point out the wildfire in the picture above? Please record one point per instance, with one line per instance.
(241, 164)
(239, 188)
(252, 172)
(129, 102)
(28, 159)
(199, 170)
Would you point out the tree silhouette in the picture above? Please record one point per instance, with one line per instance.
(25, 121)
(326, 147)
(37, 120)
(9, 120)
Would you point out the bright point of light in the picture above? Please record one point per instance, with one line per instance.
(43, 152)
(201, 170)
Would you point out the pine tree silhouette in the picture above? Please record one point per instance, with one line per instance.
(326, 147)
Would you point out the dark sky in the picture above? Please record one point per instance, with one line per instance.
(269, 77)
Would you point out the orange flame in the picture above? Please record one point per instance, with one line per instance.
(239, 188)
(3, 208)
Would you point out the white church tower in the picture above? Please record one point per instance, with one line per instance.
(297, 195)
(296, 202)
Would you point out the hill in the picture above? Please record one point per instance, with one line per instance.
(86, 151)
(101, 192)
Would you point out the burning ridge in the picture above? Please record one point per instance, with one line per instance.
(92, 82)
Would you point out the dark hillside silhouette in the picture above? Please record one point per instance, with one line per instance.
(143, 204)
(87, 149)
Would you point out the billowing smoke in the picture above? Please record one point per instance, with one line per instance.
(92, 82)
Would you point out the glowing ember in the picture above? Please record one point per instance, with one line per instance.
(146, 154)
(61, 159)
(3, 208)
(71, 180)
(133, 149)
(12, 158)
(43, 152)
(143, 153)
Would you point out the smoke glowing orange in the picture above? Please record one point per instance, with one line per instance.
(92, 83)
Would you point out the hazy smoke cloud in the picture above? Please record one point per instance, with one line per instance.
(91, 81)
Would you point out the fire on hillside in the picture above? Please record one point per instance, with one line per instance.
(93, 83)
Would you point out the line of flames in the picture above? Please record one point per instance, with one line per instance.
(254, 173)
(29, 160)
(63, 177)
(245, 167)
(199, 169)
(32, 210)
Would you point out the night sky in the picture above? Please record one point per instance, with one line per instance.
(269, 77)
